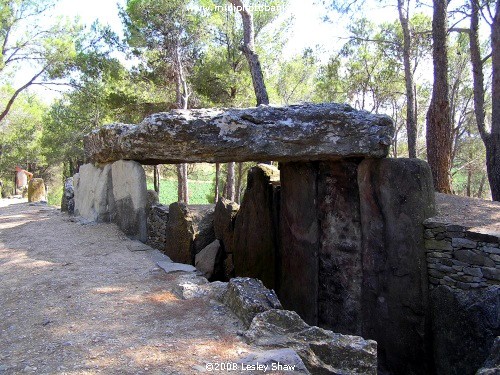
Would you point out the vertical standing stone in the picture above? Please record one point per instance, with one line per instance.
(129, 199)
(93, 193)
(396, 196)
(36, 190)
(179, 234)
(340, 266)
(299, 229)
(254, 240)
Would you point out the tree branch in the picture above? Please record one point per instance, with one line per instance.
(17, 92)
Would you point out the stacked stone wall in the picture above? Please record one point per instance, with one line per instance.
(460, 257)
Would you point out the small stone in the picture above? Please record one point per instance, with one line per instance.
(436, 254)
(491, 250)
(491, 273)
(463, 243)
(170, 267)
(495, 258)
(438, 245)
(473, 271)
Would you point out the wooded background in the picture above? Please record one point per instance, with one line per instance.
(434, 68)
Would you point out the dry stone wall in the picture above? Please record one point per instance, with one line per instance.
(461, 258)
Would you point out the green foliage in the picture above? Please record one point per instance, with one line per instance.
(199, 191)
(20, 135)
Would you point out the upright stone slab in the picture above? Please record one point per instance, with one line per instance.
(340, 264)
(36, 190)
(179, 234)
(465, 324)
(299, 248)
(93, 193)
(130, 199)
(188, 231)
(396, 196)
(254, 241)
(68, 197)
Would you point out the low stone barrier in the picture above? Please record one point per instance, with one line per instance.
(461, 258)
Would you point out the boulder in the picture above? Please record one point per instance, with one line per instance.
(298, 132)
(396, 196)
(188, 231)
(68, 197)
(36, 190)
(128, 207)
(492, 365)
(224, 216)
(248, 297)
(254, 241)
(203, 222)
(322, 351)
(209, 261)
(465, 325)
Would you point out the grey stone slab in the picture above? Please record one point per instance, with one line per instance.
(138, 246)
(170, 267)
(298, 132)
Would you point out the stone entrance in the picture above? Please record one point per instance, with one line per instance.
(346, 248)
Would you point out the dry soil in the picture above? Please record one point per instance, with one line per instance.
(75, 299)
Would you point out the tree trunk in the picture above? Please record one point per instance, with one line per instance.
(156, 174)
(491, 140)
(481, 187)
(493, 149)
(217, 179)
(230, 193)
(185, 186)
(238, 183)
(252, 57)
(438, 136)
(411, 121)
(182, 183)
(182, 96)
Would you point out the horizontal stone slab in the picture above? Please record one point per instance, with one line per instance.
(295, 133)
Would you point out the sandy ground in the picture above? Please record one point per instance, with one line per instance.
(75, 300)
(478, 214)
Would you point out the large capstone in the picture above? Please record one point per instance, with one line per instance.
(299, 132)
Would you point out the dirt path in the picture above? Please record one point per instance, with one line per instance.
(75, 300)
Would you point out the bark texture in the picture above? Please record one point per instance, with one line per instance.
(439, 130)
(491, 139)
(411, 116)
(248, 49)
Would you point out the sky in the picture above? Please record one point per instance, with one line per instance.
(307, 30)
